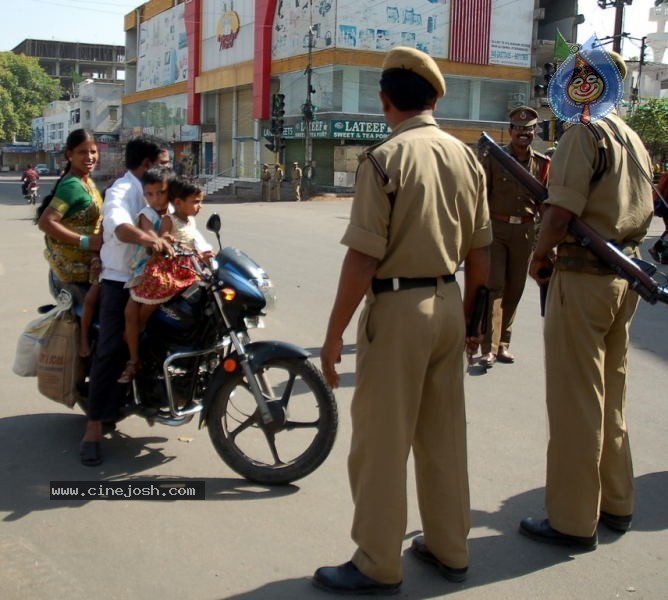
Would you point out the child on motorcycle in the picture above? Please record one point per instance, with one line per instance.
(164, 277)
(155, 183)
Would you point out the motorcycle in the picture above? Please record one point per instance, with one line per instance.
(271, 417)
(32, 192)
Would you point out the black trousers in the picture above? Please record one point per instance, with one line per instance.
(111, 353)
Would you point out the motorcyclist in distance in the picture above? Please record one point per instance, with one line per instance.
(29, 177)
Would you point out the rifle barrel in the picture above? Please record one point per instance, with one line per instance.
(647, 287)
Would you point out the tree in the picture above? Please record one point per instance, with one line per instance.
(25, 90)
(650, 121)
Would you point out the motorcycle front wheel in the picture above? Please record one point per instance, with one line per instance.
(299, 438)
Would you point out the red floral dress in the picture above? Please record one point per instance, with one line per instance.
(163, 278)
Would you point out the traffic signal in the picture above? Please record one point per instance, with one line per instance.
(271, 146)
(548, 71)
(276, 140)
(307, 110)
(278, 113)
(551, 130)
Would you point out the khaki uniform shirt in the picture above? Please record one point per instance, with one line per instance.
(505, 194)
(278, 175)
(440, 212)
(619, 205)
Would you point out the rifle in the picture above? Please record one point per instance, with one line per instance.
(636, 271)
(478, 320)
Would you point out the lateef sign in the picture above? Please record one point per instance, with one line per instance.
(359, 130)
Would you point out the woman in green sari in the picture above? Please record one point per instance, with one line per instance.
(71, 219)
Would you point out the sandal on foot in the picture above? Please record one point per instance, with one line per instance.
(90, 454)
(131, 368)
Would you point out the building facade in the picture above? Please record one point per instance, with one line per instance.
(97, 108)
(73, 62)
(201, 73)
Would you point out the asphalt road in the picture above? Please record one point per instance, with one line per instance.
(248, 541)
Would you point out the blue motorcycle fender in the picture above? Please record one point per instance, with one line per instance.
(258, 353)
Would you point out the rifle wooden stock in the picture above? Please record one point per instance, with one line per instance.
(611, 256)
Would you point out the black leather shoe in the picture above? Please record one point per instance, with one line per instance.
(618, 523)
(541, 531)
(504, 355)
(420, 550)
(348, 579)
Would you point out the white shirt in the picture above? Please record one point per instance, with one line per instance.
(122, 203)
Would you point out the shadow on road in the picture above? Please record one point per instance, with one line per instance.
(494, 558)
(41, 448)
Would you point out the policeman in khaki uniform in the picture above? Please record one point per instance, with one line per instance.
(419, 211)
(587, 319)
(297, 181)
(266, 183)
(513, 211)
(279, 175)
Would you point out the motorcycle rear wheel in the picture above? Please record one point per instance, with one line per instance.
(304, 408)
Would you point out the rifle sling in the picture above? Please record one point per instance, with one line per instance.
(635, 159)
(602, 156)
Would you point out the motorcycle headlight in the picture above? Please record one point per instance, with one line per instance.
(267, 288)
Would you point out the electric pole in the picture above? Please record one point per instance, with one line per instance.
(619, 20)
(307, 112)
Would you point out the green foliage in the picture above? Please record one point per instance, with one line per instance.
(650, 121)
(25, 90)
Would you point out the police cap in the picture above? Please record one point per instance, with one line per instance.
(523, 116)
(419, 63)
(619, 62)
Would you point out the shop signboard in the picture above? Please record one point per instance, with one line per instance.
(338, 129)
(344, 129)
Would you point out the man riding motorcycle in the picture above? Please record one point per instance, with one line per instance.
(29, 177)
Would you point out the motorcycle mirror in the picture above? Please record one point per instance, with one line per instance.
(213, 224)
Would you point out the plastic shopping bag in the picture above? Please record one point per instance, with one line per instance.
(29, 343)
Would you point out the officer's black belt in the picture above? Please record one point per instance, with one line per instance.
(406, 283)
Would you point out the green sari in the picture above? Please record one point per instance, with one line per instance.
(80, 208)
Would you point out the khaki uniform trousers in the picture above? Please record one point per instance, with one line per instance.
(589, 468)
(266, 191)
(298, 190)
(510, 254)
(409, 393)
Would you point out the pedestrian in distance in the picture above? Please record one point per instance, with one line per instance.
(513, 212)
(279, 175)
(124, 199)
(297, 181)
(600, 173)
(418, 212)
